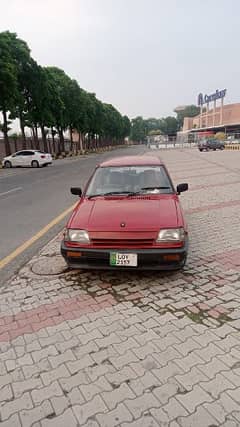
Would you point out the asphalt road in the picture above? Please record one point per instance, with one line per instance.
(31, 198)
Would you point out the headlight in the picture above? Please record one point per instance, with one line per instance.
(80, 236)
(171, 235)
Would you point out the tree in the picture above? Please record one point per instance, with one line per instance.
(170, 125)
(139, 129)
(20, 54)
(188, 111)
(8, 84)
(46, 97)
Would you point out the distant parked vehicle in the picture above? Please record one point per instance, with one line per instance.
(210, 144)
(32, 158)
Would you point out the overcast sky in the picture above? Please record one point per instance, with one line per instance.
(143, 56)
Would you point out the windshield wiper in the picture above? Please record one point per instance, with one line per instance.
(110, 193)
(128, 193)
(94, 195)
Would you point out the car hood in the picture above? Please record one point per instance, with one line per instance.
(143, 213)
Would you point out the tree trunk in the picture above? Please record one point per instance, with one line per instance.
(15, 145)
(45, 146)
(35, 137)
(24, 145)
(71, 138)
(80, 142)
(5, 133)
(53, 140)
(61, 140)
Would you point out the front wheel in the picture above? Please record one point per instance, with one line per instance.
(8, 164)
(200, 149)
(35, 164)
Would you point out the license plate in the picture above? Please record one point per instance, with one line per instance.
(123, 260)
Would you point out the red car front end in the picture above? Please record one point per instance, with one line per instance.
(138, 228)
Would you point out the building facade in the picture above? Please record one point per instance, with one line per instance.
(215, 116)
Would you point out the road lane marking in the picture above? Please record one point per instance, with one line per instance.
(11, 191)
(28, 243)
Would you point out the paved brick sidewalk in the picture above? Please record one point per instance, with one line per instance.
(133, 349)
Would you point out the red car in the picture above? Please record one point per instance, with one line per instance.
(128, 216)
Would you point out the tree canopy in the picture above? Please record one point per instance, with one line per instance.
(188, 111)
(141, 128)
(46, 98)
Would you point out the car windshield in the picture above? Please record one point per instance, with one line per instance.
(129, 180)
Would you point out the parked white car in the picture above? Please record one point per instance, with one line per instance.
(32, 158)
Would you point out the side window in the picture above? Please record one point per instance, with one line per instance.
(27, 153)
(19, 153)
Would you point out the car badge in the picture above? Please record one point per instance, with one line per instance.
(122, 224)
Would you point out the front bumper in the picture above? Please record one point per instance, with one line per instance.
(148, 259)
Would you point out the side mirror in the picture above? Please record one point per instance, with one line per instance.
(182, 187)
(76, 191)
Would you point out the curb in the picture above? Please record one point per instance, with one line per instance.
(232, 147)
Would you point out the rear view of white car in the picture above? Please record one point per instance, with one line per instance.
(27, 158)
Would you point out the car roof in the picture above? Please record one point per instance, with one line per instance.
(29, 149)
(133, 161)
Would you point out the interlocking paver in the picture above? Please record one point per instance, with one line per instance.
(16, 405)
(194, 398)
(55, 374)
(212, 368)
(6, 393)
(36, 414)
(116, 417)
(47, 392)
(114, 397)
(89, 409)
(76, 380)
(147, 382)
(189, 379)
(13, 421)
(59, 404)
(142, 403)
(217, 385)
(99, 386)
(66, 419)
(200, 418)
(167, 372)
(146, 421)
(164, 392)
(21, 386)
(174, 409)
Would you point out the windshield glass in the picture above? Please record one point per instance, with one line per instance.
(132, 179)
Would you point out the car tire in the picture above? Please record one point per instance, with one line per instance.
(8, 164)
(200, 149)
(35, 164)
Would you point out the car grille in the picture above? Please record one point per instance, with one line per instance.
(122, 243)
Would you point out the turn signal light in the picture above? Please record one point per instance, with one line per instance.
(74, 254)
(171, 257)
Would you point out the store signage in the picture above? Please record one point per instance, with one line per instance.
(205, 99)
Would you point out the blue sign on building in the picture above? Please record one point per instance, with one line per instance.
(205, 99)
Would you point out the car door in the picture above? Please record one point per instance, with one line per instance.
(17, 159)
(27, 157)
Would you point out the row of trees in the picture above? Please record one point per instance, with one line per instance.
(46, 98)
(170, 125)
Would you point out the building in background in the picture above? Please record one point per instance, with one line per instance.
(215, 116)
